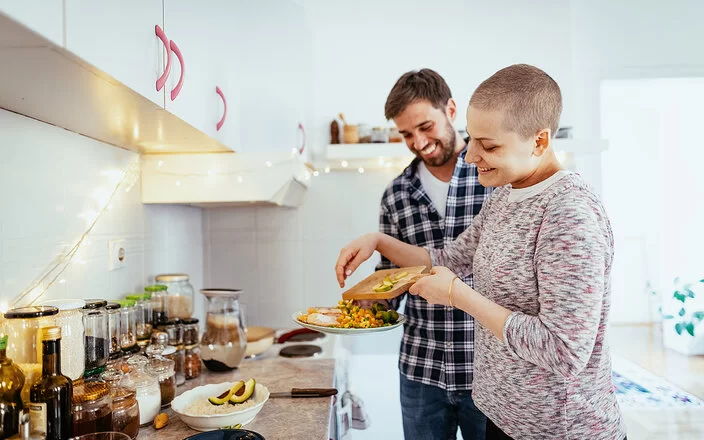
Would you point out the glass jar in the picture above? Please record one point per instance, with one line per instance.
(380, 135)
(73, 344)
(192, 363)
(159, 305)
(125, 409)
(146, 389)
(365, 133)
(157, 344)
(92, 408)
(163, 369)
(174, 329)
(128, 326)
(394, 135)
(95, 320)
(191, 332)
(114, 351)
(143, 306)
(22, 326)
(223, 345)
(180, 295)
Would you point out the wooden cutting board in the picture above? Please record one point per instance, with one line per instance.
(364, 289)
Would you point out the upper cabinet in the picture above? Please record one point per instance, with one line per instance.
(120, 38)
(41, 16)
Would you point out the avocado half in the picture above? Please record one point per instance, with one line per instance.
(243, 393)
(225, 397)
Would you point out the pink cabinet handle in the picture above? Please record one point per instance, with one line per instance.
(303, 144)
(224, 101)
(162, 79)
(177, 89)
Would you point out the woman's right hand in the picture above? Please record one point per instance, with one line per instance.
(355, 253)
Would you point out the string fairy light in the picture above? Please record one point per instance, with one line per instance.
(53, 274)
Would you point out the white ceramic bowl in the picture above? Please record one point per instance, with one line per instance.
(217, 421)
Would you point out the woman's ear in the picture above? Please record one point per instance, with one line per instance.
(542, 142)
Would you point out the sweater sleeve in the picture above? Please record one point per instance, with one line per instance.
(573, 253)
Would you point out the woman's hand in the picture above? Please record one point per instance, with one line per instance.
(435, 287)
(355, 253)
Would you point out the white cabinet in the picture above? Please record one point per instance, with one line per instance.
(44, 17)
(119, 38)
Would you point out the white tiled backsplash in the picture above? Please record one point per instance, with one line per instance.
(49, 179)
(284, 258)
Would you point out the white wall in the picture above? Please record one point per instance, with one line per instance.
(49, 179)
(284, 258)
(361, 48)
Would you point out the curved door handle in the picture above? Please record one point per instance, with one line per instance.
(176, 90)
(303, 144)
(224, 102)
(162, 79)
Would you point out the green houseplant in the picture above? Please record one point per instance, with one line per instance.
(683, 315)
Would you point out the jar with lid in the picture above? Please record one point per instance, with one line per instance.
(394, 135)
(180, 294)
(174, 329)
(92, 408)
(143, 307)
(157, 344)
(128, 326)
(125, 409)
(70, 319)
(159, 303)
(223, 344)
(95, 320)
(22, 325)
(380, 135)
(365, 133)
(146, 388)
(113, 310)
(192, 363)
(191, 332)
(163, 369)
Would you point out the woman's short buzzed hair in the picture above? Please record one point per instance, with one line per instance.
(528, 97)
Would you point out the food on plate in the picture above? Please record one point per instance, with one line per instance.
(348, 314)
(239, 397)
(389, 282)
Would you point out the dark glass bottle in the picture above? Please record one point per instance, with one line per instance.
(51, 396)
(11, 383)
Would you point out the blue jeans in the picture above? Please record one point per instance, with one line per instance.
(431, 413)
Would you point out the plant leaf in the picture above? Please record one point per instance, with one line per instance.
(690, 293)
(676, 280)
(667, 317)
(702, 280)
(679, 297)
(698, 316)
(679, 327)
(682, 311)
(690, 328)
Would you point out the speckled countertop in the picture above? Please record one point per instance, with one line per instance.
(281, 418)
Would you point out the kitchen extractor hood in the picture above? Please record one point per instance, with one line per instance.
(225, 179)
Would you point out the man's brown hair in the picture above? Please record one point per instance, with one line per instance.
(528, 97)
(417, 85)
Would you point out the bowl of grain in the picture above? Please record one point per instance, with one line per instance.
(198, 413)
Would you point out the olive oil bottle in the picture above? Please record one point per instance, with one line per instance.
(11, 383)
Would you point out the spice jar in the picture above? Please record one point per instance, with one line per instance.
(192, 363)
(180, 295)
(128, 326)
(157, 344)
(174, 329)
(159, 304)
(95, 320)
(365, 133)
(114, 351)
(380, 135)
(191, 332)
(143, 307)
(350, 134)
(21, 326)
(394, 135)
(70, 319)
(125, 409)
(92, 408)
(163, 369)
(146, 388)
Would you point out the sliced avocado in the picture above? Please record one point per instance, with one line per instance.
(387, 282)
(224, 397)
(243, 393)
(400, 276)
(382, 288)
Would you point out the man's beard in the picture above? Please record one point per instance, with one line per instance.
(446, 146)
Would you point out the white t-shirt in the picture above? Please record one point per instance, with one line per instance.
(518, 195)
(435, 188)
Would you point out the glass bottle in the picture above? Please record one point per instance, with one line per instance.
(22, 326)
(114, 351)
(92, 408)
(223, 344)
(146, 388)
(143, 306)
(11, 383)
(159, 304)
(95, 320)
(128, 326)
(50, 397)
(25, 432)
(180, 294)
(125, 409)
(70, 319)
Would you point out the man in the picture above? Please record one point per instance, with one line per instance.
(430, 204)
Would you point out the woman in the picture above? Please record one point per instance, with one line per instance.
(541, 253)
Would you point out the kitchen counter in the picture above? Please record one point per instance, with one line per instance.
(281, 418)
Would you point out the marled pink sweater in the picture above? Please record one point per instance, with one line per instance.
(548, 260)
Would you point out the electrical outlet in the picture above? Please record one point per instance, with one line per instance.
(116, 254)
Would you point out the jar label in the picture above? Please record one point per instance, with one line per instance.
(37, 417)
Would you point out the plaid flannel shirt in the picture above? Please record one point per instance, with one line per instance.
(438, 342)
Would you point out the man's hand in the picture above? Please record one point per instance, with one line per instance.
(355, 253)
